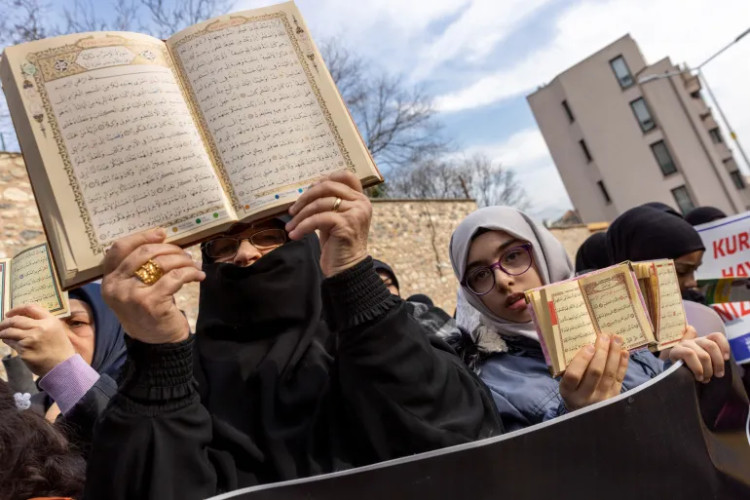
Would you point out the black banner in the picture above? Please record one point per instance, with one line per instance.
(668, 439)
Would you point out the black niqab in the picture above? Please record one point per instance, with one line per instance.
(701, 215)
(663, 207)
(592, 254)
(264, 357)
(646, 233)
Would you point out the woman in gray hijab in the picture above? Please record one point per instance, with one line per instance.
(497, 254)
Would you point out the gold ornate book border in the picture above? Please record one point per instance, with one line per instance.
(60, 62)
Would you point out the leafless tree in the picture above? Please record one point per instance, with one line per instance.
(84, 16)
(397, 122)
(23, 21)
(475, 177)
(170, 17)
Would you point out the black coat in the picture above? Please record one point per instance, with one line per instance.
(288, 376)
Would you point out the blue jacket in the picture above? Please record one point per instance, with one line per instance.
(524, 392)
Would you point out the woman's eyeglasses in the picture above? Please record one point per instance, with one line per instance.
(225, 248)
(513, 262)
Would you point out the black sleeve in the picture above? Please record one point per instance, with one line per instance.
(79, 422)
(407, 389)
(152, 440)
(20, 378)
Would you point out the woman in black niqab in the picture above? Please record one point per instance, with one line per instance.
(592, 254)
(645, 233)
(264, 357)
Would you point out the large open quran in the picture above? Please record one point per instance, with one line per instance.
(228, 120)
(639, 301)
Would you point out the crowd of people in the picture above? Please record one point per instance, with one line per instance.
(305, 359)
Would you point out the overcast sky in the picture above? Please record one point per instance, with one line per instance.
(480, 58)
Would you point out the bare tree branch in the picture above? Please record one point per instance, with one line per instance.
(476, 177)
(398, 123)
(23, 21)
(170, 17)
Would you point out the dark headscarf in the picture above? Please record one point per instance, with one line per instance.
(109, 337)
(701, 215)
(381, 266)
(264, 357)
(592, 254)
(646, 233)
(663, 207)
(421, 298)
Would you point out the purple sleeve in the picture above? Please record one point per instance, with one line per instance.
(68, 382)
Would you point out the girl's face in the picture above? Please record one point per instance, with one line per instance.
(81, 329)
(686, 265)
(506, 298)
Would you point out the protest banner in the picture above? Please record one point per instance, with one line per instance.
(669, 438)
(727, 244)
(724, 277)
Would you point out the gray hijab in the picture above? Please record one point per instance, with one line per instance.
(549, 256)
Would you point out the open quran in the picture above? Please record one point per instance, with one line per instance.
(226, 121)
(639, 301)
(29, 278)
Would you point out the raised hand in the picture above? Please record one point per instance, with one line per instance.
(39, 337)
(338, 208)
(148, 312)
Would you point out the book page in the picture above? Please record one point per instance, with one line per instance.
(117, 138)
(33, 281)
(570, 318)
(615, 307)
(4, 297)
(672, 320)
(274, 120)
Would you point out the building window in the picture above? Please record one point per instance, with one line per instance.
(585, 149)
(622, 72)
(682, 197)
(603, 189)
(716, 135)
(739, 182)
(642, 114)
(568, 112)
(663, 158)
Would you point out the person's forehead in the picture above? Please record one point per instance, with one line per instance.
(79, 306)
(486, 244)
(691, 259)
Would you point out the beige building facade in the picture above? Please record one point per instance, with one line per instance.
(620, 139)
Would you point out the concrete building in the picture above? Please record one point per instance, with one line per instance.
(618, 143)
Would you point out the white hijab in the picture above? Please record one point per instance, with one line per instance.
(549, 256)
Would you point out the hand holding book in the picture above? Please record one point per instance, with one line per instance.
(39, 337)
(595, 373)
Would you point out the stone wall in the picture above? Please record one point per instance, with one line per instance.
(410, 235)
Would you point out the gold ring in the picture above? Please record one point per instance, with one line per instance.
(336, 204)
(149, 273)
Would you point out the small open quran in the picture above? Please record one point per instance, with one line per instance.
(639, 301)
(29, 278)
(228, 120)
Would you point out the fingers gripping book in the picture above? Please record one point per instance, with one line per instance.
(639, 301)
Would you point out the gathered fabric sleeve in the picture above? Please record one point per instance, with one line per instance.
(152, 440)
(406, 388)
